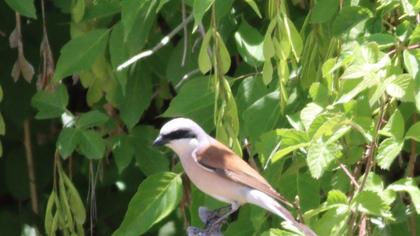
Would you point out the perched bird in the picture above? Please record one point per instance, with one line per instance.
(219, 172)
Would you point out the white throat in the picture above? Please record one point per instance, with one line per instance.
(184, 147)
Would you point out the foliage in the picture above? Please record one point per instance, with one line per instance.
(322, 96)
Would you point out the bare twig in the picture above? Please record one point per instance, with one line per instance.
(185, 77)
(410, 173)
(348, 173)
(184, 53)
(373, 145)
(362, 227)
(395, 49)
(371, 148)
(31, 167)
(165, 40)
(30, 163)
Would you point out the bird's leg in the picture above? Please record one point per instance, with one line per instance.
(208, 217)
(233, 207)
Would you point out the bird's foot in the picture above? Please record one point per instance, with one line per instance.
(213, 222)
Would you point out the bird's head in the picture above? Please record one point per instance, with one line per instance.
(180, 134)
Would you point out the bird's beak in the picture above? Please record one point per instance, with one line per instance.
(159, 141)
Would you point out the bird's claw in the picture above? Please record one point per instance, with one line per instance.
(212, 222)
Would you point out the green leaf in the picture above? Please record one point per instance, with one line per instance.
(309, 113)
(199, 9)
(402, 87)
(323, 11)
(395, 126)
(285, 151)
(123, 152)
(254, 7)
(118, 53)
(195, 100)
(249, 43)
(267, 72)
(2, 125)
(411, 63)
(374, 183)
(91, 118)
(101, 9)
(295, 40)
(204, 62)
(137, 98)
(348, 17)
(50, 104)
(156, 197)
(224, 55)
(388, 151)
(320, 157)
(137, 18)
(336, 197)
(414, 132)
(67, 141)
(371, 203)
(268, 45)
(367, 82)
(262, 115)
(91, 144)
(410, 186)
(78, 10)
(75, 202)
(148, 158)
(308, 191)
(24, 7)
(49, 215)
(80, 53)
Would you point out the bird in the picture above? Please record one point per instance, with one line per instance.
(217, 171)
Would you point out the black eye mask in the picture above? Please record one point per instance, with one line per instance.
(179, 134)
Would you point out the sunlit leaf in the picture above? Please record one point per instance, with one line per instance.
(320, 156)
(348, 17)
(387, 152)
(200, 7)
(414, 132)
(156, 197)
(371, 203)
(249, 43)
(410, 186)
(395, 126)
(80, 53)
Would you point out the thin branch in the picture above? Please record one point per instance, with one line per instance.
(184, 53)
(165, 40)
(30, 163)
(410, 173)
(362, 228)
(185, 77)
(369, 159)
(372, 147)
(31, 168)
(410, 47)
(349, 174)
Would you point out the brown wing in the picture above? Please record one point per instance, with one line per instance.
(227, 164)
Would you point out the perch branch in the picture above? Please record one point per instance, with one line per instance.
(165, 40)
